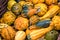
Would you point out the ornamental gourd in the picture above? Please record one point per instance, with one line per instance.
(20, 35)
(21, 23)
(16, 8)
(51, 12)
(52, 35)
(33, 19)
(8, 18)
(10, 4)
(8, 33)
(56, 22)
(27, 7)
(38, 33)
(42, 8)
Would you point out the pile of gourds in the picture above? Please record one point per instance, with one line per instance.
(31, 20)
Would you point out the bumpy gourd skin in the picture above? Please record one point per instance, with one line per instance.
(34, 19)
(8, 18)
(16, 8)
(21, 23)
(52, 35)
(42, 7)
(56, 22)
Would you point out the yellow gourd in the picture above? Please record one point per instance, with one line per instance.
(38, 33)
(51, 12)
(10, 4)
(22, 3)
(42, 7)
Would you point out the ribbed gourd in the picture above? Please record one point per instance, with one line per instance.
(16, 8)
(8, 33)
(52, 35)
(51, 12)
(38, 33)
(20, 35)
(8, 18)
(21, 23)
(42, 8)
(10, 4)
(49, 2)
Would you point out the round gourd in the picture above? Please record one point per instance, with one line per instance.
(20, 35)
(21, 23)
(37, 1)
(8, 18)
(16, 8)
(8, 33)
(52, 35)
(34, 19)
(26, 8)
(42, 7)
(49, 2)
(22, 3)
(10, 4)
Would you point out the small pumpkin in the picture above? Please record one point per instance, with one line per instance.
(10, 4)
(20, 35)
(21, 23)
(8, 18)
(56, 22)
(8, 33)
(33, 19)
(42, 8)
(22, 3)
(38, 33)
(51, 12)
(52, 35)
(49, 2)
(16, 8)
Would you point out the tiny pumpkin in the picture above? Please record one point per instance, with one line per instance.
(21, 23)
